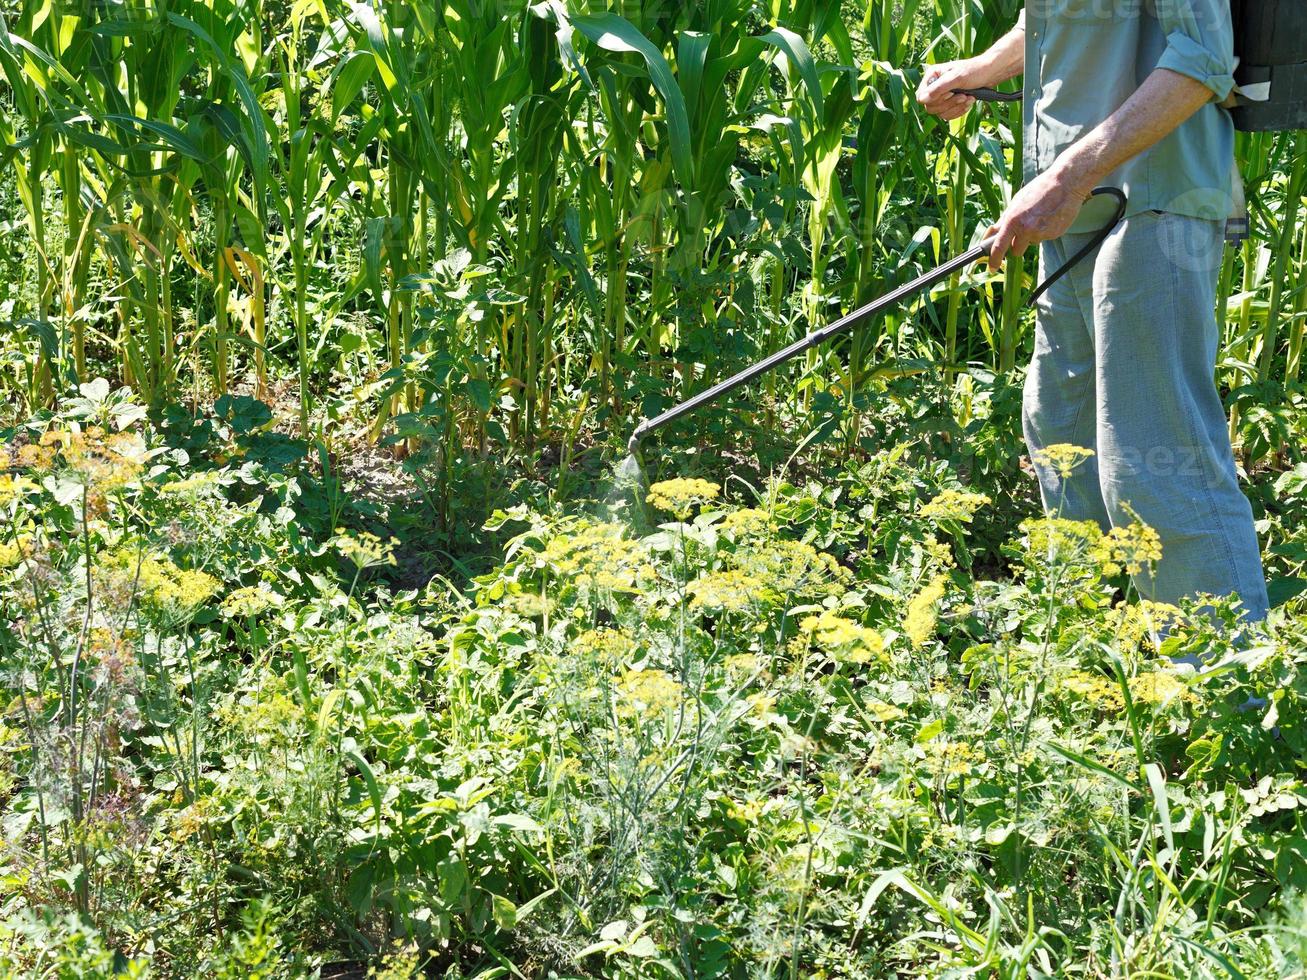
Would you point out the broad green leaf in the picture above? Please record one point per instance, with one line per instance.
(368, 20)
(452, 874)
(478, 389)
(691, 56)
(929, 731)
(171, 135)
(350, 77)
(504, 912)
(518, 821)
(800, 58)
(370, 779)
(612, 33)
(1157, 783)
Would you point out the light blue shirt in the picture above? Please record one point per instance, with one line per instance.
(1084, 58)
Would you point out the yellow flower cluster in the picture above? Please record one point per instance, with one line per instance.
(363, 548)
(1056, 540)
(12, 487)
(599, 554)
(1063, 458)
(949, 758)
(528, 605)
(1146, 620)
(1160, 688)
(741, 663)
(680, 496)
(730, 591)
(922, 613)
(190, 820)
(646, 692)
(249, 601)
(794, 568)
(1129, 548)
(161, 583)
(955, 505)
(748, 522)
(183, 588)
(1157, 688)
(113, 653)
(1094, 689)
(843, 639)
(106, 462)
(266, 719)
(30, 456)
(604, 645)
(12, 552)
(937, 551)
(104, 642)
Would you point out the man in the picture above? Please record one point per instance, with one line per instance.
(1126, 93)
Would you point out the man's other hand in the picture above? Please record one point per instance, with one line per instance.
(936, 95)
(1045, 208)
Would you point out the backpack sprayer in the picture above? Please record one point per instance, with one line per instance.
(1270, 40)
(1270, 77)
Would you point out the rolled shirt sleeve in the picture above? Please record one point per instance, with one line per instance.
(1082, 65)
(1199, 42)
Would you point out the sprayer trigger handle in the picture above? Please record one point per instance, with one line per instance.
(989, 94)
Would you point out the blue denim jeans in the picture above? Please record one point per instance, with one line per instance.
(1124, 364)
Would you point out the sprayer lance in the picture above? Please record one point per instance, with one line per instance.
(860, 316)
(815, 338)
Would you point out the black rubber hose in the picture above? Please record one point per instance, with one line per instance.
(1099, 237)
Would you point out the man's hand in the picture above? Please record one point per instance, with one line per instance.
(935, 92)
(1002, 61)
(1045, 208)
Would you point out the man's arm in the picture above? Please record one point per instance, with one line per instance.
(1002, 61)
(1196, 68)
(1047, 206)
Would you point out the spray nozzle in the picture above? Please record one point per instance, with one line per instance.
(641, 430)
